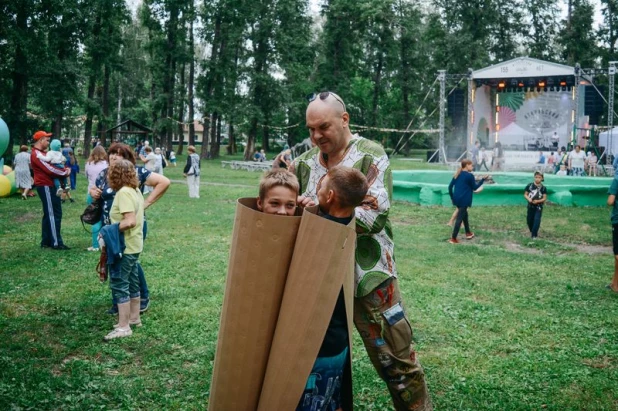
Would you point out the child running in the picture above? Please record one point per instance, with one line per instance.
(340, 192)
(460, 190)
(535, 194)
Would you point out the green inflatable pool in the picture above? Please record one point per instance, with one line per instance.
(430, 187)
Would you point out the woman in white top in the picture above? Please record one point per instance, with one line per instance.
(96, 163)
(577, 159)
(149, 164)
(23, 179)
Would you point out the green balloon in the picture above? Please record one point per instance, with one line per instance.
(4, 136)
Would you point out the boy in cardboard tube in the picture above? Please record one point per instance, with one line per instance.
(341, 190)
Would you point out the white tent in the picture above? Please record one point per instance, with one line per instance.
(604, 136)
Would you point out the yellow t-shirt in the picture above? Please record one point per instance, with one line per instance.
(130, 200)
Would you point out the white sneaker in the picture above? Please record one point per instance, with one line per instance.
(92, 249)
(59, 192)
(118, 333)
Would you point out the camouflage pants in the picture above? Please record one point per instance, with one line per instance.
(381, 321)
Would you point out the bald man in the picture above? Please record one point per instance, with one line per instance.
(379, 314)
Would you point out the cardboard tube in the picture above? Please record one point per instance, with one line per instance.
(322, 264)
(260, 255)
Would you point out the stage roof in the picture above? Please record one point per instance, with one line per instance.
(523, 67)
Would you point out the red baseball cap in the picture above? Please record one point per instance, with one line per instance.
(39, 134)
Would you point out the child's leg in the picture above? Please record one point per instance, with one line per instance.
(73, 181)
(453, 217)
(465, 220)
(461, 212)
(530, 218)
(537, 222)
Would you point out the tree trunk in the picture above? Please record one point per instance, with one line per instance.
(206, 124)
(89, 115)
(190, 88)
(103, 122)
(19, 95)
(214, 144)
(251, 139)
(181, 110)
(231, 147)
(266, 133)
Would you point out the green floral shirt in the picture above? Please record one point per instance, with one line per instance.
(375, 261)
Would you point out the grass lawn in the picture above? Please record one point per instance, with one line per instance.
(501, 322)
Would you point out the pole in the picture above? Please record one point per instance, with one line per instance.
(575, 106)
(610, 113)
(470, 117)
(442, 79)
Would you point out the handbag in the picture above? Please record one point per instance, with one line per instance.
(92, 213)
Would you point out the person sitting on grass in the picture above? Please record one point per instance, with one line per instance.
(460, 190)
(341, 191)
(535, 194)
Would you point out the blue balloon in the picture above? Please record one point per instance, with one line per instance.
(4, 136)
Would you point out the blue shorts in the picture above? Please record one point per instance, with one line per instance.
(323, 388)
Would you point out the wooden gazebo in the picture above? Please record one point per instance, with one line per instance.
(122, 132)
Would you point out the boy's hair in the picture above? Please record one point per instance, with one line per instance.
(276, 178)
(349, 184)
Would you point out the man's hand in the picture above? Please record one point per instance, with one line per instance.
(304, 202)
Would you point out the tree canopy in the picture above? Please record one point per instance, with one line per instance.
(244, 68)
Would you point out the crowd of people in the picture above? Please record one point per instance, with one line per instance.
(561, 162)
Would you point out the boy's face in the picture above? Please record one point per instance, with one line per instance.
(537, 179)
(278, 200)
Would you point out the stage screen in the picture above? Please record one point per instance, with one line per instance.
(526, 120)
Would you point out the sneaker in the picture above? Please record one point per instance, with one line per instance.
(118, 333)
(143, 305)
(70, 199)
(113, 310)
(59, 192)
(61, 247)
(453, 241)
(469, 236)
(92, 249)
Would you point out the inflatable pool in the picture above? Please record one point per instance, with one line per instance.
(430, 187)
